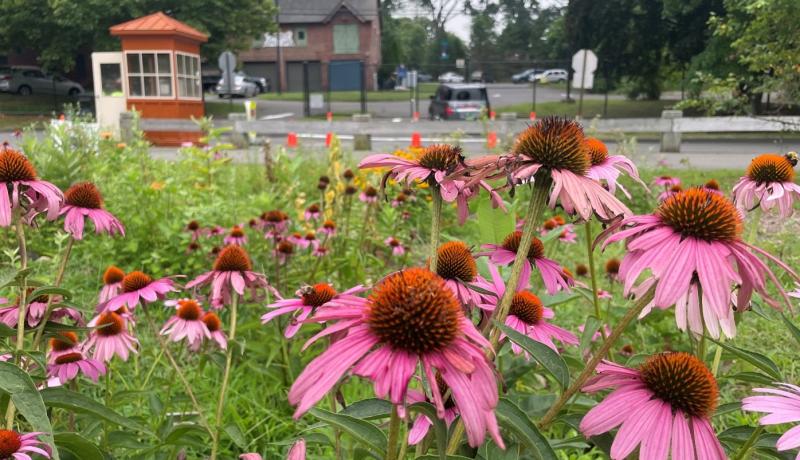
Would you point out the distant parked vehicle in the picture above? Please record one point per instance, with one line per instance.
(451, 77)
(525, 75)
(239, 87)
(424, 78)
(27, 80)
(261, 82)
(551, 76)
(459, 101)
(479, 76)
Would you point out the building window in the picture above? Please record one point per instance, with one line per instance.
(300, 37)
(149, 74)
(345, 39)
(188, 76)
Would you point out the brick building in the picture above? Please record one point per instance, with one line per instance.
(340, 40)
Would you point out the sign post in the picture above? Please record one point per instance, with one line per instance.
(227, 64)
(584, 63)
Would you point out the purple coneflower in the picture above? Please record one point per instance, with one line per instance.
(66, 367)
(504, 254)
(458, 269)
(235, 237)
(664, 406)
(275, 220)
(18, 446)
(369, 195)
(692, 246)
(396, 245)
(84, 200)
(284, 250)
(139, 287)
(328, 228)
(383, 346)
(782, 405)
(769, 182)
(667, 181)
(608, 168)
(110, 337)
(308, 299)
(36, 310)
(232, 272)
(422, 424)
(187, 323)
(313, 212)
(194, 229)
(112, 283)
(214, 326)
(22, 190)
(527, 315)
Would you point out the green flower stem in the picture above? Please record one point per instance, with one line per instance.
(593, 275)
(536, 205)
(632, 313)
(23, 305)
(715, 363)
(62, 268)
(392, 447)
(742, 454)
(436, 226)
(181, 375)
(225, 377)
(337, 434)
(455, 438)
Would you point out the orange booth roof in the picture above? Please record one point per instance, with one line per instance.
(157, 24)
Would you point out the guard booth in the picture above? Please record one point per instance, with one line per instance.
(157, 73)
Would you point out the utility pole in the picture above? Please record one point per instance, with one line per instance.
(278, 36)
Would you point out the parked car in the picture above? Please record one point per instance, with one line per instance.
(551, 76)
(459, 101)
(525, 75)
(27, 80)
(481, 77)
(451, 77)
(239, 87)
(261, 82)
(424, 77)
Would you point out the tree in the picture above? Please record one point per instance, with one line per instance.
(483, 38)
(59, 29)
(441, 11)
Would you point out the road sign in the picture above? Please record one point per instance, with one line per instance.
(584, 63)
(227, 64)
(460, 63)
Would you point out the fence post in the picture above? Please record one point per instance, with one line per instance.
(363, 87)
(671, 139)
(306, 92)
(126, 127)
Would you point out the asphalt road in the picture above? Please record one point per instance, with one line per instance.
(500, 94)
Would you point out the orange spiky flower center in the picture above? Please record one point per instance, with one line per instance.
(769, 168)
(412, 310)
(189, 310)
(310, 236)
(682, 381)
(394, 243)
(110, 324)
(193, 225)
(612, 267)
(702, 214)
(84, 195)
(233, 258)
(527, 307)
(712, 184)
(64, 341)
(512, 241)
(329, 225)
(14, 166)
(135, 280)
(555, 143)
(212, 321)
(286, 247)
(275, 216)
(441, 157)
(597, 150)
(455, 262)
(371, 191)
(10, 443)
(237, 232)
(313, 209)
(67, 358)
(112, 275)
(317, 295)
(581, 270)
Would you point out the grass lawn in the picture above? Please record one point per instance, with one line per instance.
(425, 90)
(617, 108)
(220, 110)
(32, 105)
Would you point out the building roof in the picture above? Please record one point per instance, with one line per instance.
(159, 24)
(311, 11)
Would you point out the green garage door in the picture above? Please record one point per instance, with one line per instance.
(294, 76)
(345, 75)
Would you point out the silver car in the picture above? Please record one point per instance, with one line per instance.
(27, 80)
(240, 86)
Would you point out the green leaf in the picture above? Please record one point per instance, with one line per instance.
(590, 327)
(440, 428)
(792, 328)
(543, 354)
(514, 419)
(558, 299)
(368, 409)
(70, 400)
(753, 377)
(27, 400)
(728, 408)
(756, 359)
(362, 431)
(552, 234)
(236, 435)
(445, 457)
(74, 446)
(51, 290)
(494, 224)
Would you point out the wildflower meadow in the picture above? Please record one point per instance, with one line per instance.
(545, 300)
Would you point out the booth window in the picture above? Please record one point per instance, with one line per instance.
(149, 74)
(188, 76)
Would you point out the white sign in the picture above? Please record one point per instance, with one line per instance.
(316, 101)
(227, 61)
(460, 64)
(286, 40)
(584, 63)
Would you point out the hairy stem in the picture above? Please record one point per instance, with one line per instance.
(62, 268)
(225, 377)
(593, 275)
(632, 313)
(22, 303)
(436, 226)
(742, 454)
(392, 447)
